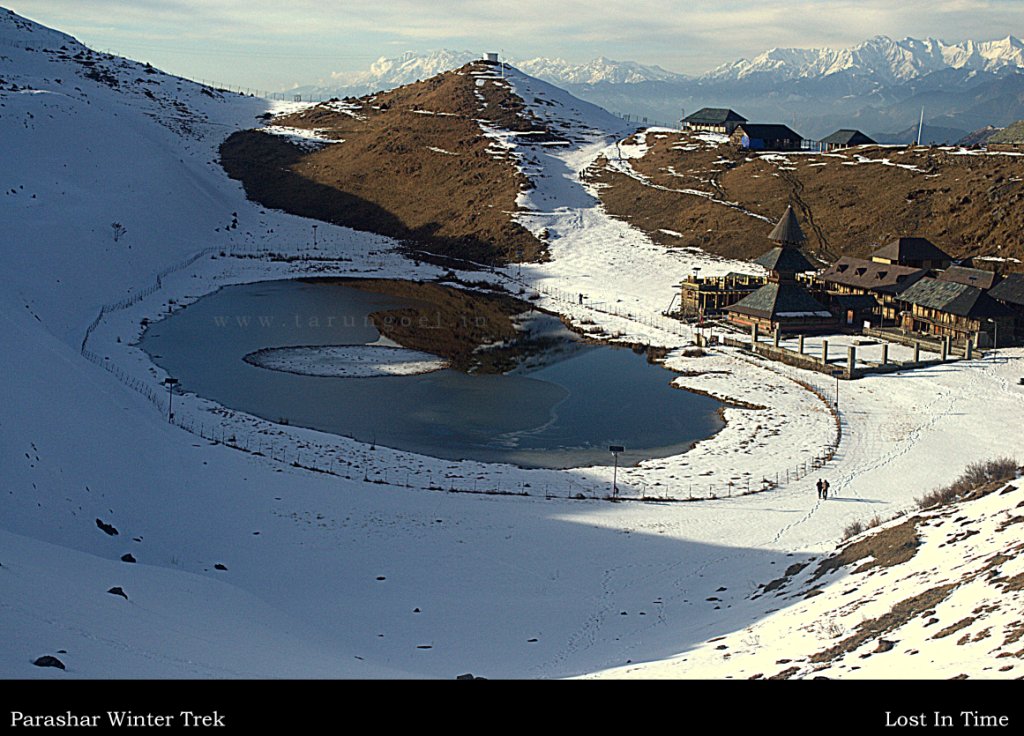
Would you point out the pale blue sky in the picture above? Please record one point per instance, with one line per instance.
(273, 44)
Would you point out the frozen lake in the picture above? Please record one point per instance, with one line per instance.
(562, 407)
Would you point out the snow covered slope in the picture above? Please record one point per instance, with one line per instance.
(936, 594)
(90, 140)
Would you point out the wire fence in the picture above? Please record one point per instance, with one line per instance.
(645, 120)
(141, 294)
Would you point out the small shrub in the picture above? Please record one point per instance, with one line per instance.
(694, 353)
(852, 530)
(829, 629)
(975, 475)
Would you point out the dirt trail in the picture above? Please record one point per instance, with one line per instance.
(808, 214)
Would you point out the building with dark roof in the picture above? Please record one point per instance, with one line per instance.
(714, 119)
(783, 304)
(882, 281)
(958, 311)
(766, 137)
(1010, 290)
(844, 138)
(916, 252)
(970, 277)
(1010, 293)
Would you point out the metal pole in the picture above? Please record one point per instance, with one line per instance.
(170, 382)
(615, 450)
(615, 476)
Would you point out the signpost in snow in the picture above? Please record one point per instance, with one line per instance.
(615, 450)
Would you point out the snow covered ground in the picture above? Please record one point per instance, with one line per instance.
(959, 592)
(382, 564)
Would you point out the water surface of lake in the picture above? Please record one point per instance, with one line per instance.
(560, 408)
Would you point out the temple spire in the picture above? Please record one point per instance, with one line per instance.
(788, 231)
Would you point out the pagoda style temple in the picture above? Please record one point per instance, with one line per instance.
(783, 303)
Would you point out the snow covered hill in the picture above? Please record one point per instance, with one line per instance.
(228, 546)
(936, 593)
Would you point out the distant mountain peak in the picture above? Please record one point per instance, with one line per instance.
(393, 71)
(879, 57)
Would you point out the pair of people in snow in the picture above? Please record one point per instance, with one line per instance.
(822, 488)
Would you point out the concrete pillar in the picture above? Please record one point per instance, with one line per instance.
(944, 348)
(775, 337)
(885, 353)
(824, 352)
(917, 352)
(851, 360)
(800, 346)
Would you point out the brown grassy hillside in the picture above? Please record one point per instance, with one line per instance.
(848, 203)
(412, 163)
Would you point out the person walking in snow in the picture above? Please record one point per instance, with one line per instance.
(821, 486)
(824, 489)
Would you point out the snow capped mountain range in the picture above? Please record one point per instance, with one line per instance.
(387, 73)
(880, 57)
(600, 70)
(889, 60)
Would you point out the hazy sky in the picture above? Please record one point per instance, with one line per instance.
(274, 44)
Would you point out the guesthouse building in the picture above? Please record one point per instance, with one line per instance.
(766, 137)
(714, 120)
(960, 312)
(914, 252)
(883, 282)
(844, 138)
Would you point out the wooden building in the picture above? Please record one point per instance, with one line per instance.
(961, 312)
(882, 281)
(711, 295)
(844, 138)
(783, 303)
(766, 137)
(1010, 293)
(970, 277)
(915, 252)
(714, 119)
